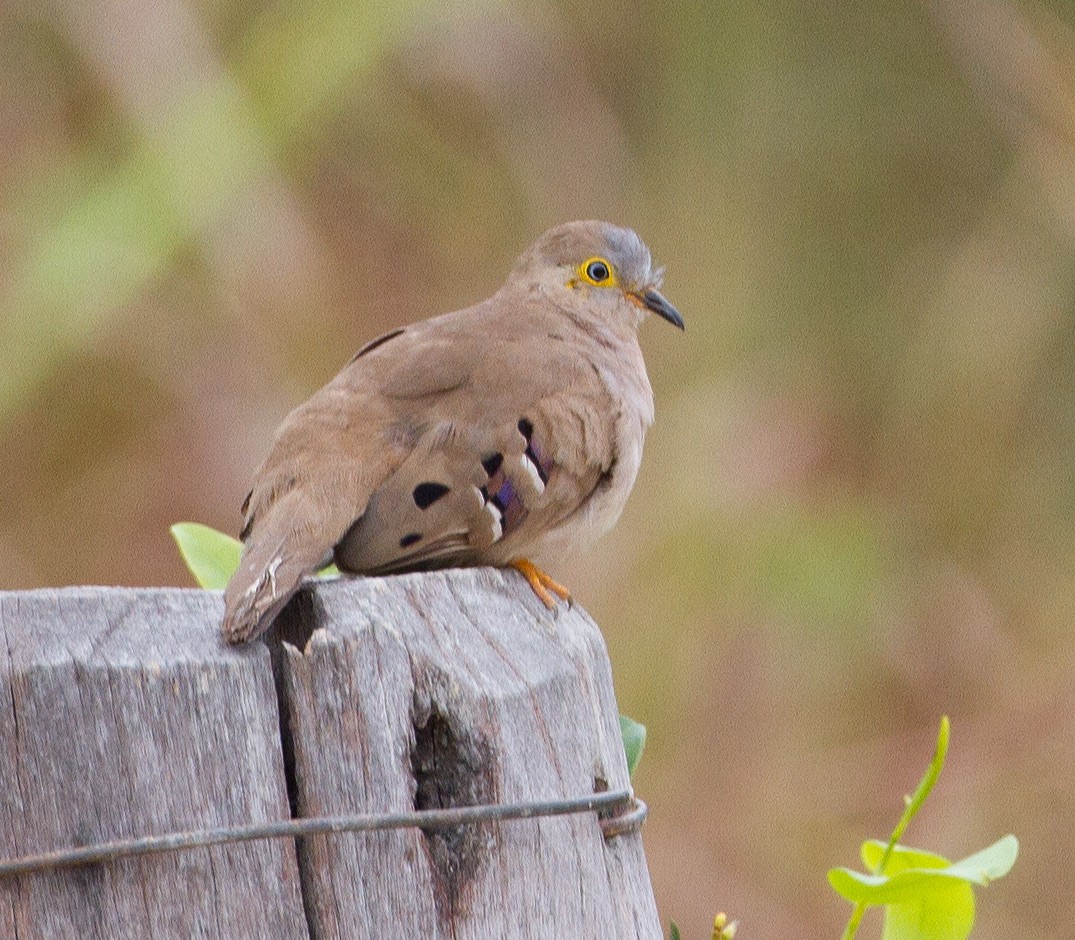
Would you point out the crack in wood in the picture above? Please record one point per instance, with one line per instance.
(293, 627)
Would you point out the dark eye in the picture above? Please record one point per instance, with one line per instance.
(597, 271)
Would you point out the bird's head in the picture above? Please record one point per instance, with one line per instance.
(598, 269)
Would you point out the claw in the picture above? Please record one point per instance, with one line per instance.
(541, 583)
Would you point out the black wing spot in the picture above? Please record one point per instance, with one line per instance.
(492, 463)
(408, 540)
(426, 494)
(526, 429)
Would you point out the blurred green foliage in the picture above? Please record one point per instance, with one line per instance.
(856, 508)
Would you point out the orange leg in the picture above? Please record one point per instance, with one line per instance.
(541, 583)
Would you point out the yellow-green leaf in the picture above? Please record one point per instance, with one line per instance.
(944, 912)
(210, 555)
(634, 741)
(901, 858)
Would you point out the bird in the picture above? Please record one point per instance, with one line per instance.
(509, 434)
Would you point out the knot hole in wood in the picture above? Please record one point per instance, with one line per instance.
(453, 765)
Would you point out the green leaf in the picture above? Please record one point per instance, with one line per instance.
(881, 889)
(210, 555)
(912, 871)
(925, 895)
(989, 864)
(673, 930)
(944, 912)
(920, 904)
(634, 742)
(901, 858)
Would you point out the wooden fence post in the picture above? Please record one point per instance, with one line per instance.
(122, 714)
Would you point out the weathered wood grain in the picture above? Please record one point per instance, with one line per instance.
(446, 689)
(122, 714)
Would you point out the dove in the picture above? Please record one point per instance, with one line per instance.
(508, 434)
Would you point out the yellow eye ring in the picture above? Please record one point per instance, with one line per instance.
(597, 271)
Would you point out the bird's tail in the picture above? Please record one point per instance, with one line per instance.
(276, 557)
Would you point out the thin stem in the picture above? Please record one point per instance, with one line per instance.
(853, 924)
(916, 799)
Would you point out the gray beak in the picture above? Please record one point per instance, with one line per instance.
(654, 300)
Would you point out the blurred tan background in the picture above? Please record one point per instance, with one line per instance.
(856, 511)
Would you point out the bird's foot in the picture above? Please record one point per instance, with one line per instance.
(541, 583)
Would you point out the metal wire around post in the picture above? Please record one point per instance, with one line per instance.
(620, 812)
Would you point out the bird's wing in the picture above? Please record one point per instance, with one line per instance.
(484, 487)
(515, 430)
(447, 443)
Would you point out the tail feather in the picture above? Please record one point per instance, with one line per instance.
(283, 549)
(259, 590)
